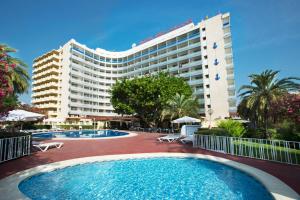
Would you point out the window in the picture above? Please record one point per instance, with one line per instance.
(203, 29)
(208, 106)
(205, 57)
(205, 47)
(206, 66)
(204, 38)
(206, 76)
(217, 77)
(207, 86)
(208, 96)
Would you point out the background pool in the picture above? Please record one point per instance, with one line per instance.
(80, 134)
(155, 178)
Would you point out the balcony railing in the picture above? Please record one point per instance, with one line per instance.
(192, 36)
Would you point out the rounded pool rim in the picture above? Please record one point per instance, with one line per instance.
(130, 134)
(278, 189)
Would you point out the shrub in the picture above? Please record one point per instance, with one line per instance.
(213, 131)
(234, 128)
(286, 130)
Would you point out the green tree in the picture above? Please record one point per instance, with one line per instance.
(147, 96)
(264, 89)
(181, 105)
(14, 78)
(234, 128)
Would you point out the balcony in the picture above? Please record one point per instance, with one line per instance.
(200, 91)
(192, 36)
(195, 82)
(47, 105)
(192, 64)
(231, 87)
(46, 59)
(46, 79)
(45, 99)
(228, 55)
(229, 66)
(230, 77)
(43, 93)
(43, 67)
(45, 86)
(45, 73)
(228, 45)
(226, 35)
(91, 78)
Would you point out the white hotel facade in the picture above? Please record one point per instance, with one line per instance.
(72, 83)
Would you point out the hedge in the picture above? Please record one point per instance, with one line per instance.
(213, 131)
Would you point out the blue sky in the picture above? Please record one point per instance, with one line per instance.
(266, 34)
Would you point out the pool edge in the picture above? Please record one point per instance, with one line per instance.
(278, 189)
(130, 134)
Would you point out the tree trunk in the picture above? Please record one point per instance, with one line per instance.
(266, 122)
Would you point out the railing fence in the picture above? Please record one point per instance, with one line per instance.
(273, 150)
(15, 147)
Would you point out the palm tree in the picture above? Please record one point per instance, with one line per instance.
(181, 105)
(264, 89)
(18, 76)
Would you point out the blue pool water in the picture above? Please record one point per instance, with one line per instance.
(155, 178)
(80, 134)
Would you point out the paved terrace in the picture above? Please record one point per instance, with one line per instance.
(142, 143)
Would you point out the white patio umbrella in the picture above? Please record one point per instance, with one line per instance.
(21, 115)
(186, 119)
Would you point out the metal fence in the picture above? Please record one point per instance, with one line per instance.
(273, 150)
(15, 147)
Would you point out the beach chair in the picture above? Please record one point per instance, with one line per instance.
(45, 146)
(169, 138)
(187, 139)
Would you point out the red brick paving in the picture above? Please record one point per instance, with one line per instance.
(142, 143)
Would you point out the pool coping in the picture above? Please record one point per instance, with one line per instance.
(279, 190)
(130, 134)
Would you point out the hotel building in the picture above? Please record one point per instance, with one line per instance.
(72, 83)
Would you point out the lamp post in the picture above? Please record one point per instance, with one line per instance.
(210, 112)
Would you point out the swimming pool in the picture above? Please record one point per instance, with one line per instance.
(145, 178)
(80, 134)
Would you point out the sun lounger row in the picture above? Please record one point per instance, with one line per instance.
(152, 130)
(176, 137)
(43, 130)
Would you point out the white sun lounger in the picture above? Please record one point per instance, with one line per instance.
(187, 139)
(45, 146)
(169, 138)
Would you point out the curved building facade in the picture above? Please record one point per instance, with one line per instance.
(73, 81)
